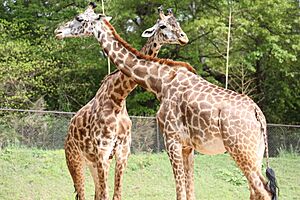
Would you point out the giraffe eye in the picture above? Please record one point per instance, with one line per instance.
(79, 19)
(162, 27)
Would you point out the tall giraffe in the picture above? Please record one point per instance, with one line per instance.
(194, 114)
(102, 128)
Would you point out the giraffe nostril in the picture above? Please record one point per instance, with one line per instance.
(182, 34)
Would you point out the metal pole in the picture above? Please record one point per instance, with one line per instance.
(108, 60)
(228, 46)
(108, 65)
(102, 2)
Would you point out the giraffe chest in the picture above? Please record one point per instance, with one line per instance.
(105, 131)
(107, 143)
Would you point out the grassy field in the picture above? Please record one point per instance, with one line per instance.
(37, 174)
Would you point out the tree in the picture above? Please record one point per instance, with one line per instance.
(264, 51)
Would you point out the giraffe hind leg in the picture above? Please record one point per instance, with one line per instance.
(271, 186)
(75, 163)
(248, 164)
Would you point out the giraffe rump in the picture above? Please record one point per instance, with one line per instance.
(272, 183)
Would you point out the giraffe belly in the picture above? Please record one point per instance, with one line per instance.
(211, 147)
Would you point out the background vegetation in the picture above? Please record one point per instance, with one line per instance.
(38, 71)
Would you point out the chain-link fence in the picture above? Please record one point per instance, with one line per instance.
(47, 130)
(283, 137)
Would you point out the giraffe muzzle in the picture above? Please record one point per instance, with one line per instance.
(61, 33)
(58, 34)
(183, 40)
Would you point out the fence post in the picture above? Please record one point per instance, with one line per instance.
(157, 136)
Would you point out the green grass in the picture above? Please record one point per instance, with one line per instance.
(38, 174)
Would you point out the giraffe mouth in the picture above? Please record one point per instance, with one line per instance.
(183, 41)
(59, 36)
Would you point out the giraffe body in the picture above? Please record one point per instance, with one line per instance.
(99, 131)
(203, 109)
(102, 128)
(194, 114)
(197, 115)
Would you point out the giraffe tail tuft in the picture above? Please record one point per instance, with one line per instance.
(272, 184)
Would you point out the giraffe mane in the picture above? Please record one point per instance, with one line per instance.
(106, 77)
(169, 62)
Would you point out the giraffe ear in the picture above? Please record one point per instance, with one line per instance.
(108, 18)
(92, 5)
(149, 32)
(101, 16)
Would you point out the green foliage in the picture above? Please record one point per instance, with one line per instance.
(264, 52)
(234, 177)
(142, 103)
(8, 134)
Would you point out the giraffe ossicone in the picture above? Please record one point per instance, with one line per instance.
(102, 128)
(194, 114)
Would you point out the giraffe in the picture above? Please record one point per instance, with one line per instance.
(194, 114)
(104, 121)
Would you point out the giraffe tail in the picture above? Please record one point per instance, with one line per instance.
(272, 183)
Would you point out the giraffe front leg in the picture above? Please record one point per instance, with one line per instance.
(188, 162)
(171, 127)
(122, 155)
(102, 186)
(94, 173)
(104, 150)
(174, 150)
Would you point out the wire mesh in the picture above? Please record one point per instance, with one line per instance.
(283, 138)
(48, 129)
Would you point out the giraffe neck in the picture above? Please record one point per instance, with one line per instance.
(150, 73)
(152, 47)
(123, 84)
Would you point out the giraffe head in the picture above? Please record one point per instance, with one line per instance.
(82, 25)
(167, 30)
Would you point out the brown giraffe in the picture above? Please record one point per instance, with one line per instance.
(194, 114)
(102, 128)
